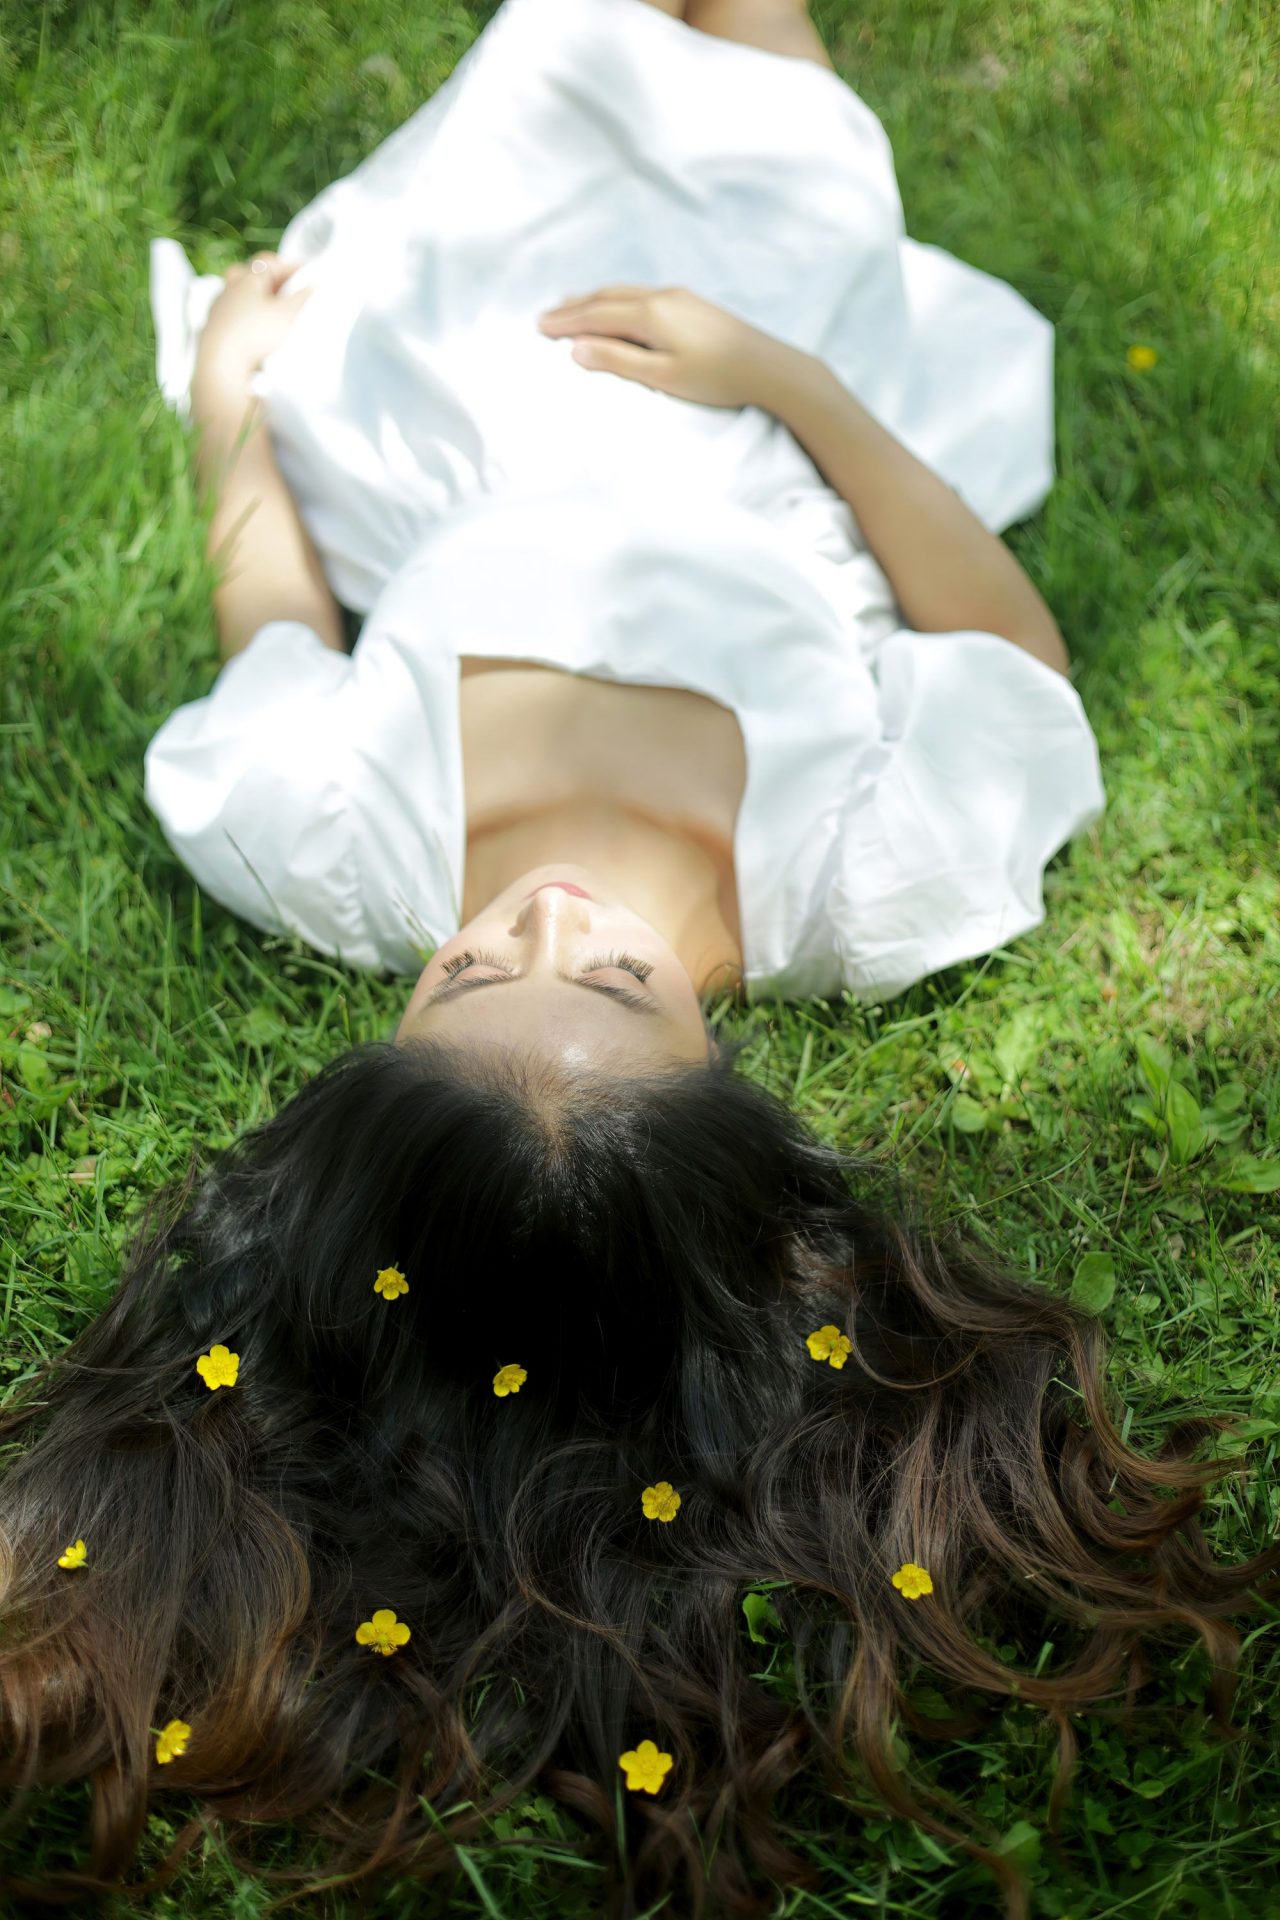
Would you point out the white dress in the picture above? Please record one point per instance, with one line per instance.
(472, 490)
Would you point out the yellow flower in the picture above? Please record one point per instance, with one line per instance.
(218, 1367)
(384, 1633)
(509, 1379)
(828, 1343)
(73, 1556)
(911, 1581)
(660, 1502)
(1141, 359)
(645, 1767)
(390, 1283)
(172, 1741)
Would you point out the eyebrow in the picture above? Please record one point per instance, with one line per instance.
(620, 996)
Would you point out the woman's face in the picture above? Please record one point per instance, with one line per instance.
(563, 965)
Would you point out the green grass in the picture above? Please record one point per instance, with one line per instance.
(1118, 163)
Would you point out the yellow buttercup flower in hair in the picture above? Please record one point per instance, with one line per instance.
(645, 1767)
(384, 1633)
(390, 1283)
(828, 1343)
(912, 1581)
(660, 1501)
(172, 1741)
(509, 1379)
(218, 1367)
(1142, 359)
(73, 1556)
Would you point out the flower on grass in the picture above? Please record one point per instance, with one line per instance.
(911, 1581)
(172, 1741)
(1142, 359)
(660, 1501)
(73, 1556)
(645, 1767)
(218, 1367)
(384, 1633)
(828, 1343)
(509, 1379)
(390, 1283)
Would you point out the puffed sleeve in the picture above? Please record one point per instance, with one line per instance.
(986, 765)
(283, 792)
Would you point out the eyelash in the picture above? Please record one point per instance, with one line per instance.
(626, 962)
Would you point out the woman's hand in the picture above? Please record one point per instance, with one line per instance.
(669, 338)
(250, 317)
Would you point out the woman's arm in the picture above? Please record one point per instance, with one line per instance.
(946, 570)
(273, 571)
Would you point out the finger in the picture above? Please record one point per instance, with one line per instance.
(262, 270)
(270, 272)
(281, 270)
(574, 301)
(617, 356)
(616, 316)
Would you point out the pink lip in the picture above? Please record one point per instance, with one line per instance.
(566, 886)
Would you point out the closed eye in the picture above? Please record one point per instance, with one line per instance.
(638, 1003)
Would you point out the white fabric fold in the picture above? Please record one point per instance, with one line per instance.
(985, 767)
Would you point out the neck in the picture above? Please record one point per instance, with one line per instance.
(666, 876)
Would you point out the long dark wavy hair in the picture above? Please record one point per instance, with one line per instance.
(654, 1253)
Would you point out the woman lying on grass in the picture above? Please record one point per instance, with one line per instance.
(440, 1427)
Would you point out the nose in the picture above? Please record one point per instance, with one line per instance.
(549, 919)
